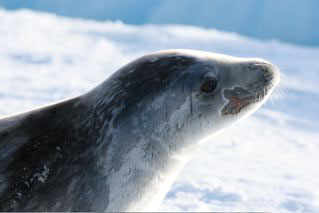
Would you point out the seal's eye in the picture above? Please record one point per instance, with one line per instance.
(209, 85)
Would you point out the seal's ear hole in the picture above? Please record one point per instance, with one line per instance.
(209, 86)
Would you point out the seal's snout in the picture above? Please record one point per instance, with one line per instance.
(268, 73)
(260, 77)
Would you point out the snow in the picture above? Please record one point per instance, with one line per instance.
(269, 162)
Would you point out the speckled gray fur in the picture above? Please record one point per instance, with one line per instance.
(121, 144)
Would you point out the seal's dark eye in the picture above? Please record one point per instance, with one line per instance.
(209, 85)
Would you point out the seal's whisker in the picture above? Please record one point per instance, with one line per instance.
(278, 93)
(283, 79)
(281, 89)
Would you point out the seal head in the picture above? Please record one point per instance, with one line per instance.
(166, 103)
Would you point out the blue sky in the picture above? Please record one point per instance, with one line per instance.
(292, 21)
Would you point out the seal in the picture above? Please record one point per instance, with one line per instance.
(120, 146)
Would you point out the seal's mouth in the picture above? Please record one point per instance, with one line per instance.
(239, 98)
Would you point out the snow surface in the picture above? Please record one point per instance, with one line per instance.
(269, 162)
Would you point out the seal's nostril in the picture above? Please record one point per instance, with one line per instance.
(268, 72)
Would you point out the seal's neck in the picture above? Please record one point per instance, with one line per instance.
(142, 175)
(143, 146)
(143, 163)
